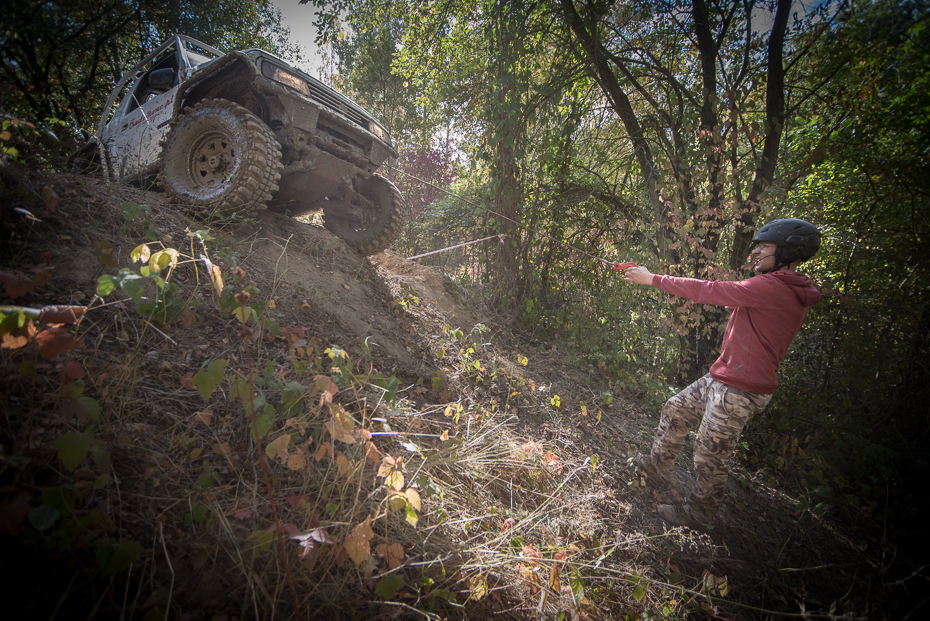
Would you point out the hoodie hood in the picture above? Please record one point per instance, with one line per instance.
(800, 285)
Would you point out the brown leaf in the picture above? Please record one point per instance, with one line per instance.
(394, 554)
(341, 427)
(16, 286)
(279, 447)
(372, 452)
(50, 198)
(239, 511)
(357, 546)
(325, 449)
(56, 341)
(532, 552)
(342, 464)
(297, 500)
(296, 461)
(74, 370)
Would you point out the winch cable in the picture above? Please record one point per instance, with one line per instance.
(612, 264)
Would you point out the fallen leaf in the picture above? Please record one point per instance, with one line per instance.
(394, 554)
(278, 448)
(325, 449)
(342, 464)
(239, 511)
(533, 553)
(479, 587)
(296, 461)
(297, 500)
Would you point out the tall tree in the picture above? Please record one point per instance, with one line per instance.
(700, 89)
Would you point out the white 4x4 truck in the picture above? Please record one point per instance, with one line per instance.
(238, 132)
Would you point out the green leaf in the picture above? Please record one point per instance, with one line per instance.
(43, 517)
(265, 421)
(73, 448)
(217, 368)
(72, 390)
(388, 586)
(133, 289)
(112, 559)
(411, 516)
(639, 593)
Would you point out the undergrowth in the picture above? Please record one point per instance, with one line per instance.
(177, 448)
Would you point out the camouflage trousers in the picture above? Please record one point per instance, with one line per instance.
(722, 412)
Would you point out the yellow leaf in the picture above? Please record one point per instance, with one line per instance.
(396, 503)
(222, 449)
(411, 516)
(216, 277)
(395, 480)
(413, 497)
(242, 313)
(479, 587)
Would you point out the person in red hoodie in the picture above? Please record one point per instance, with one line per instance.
(768, 310)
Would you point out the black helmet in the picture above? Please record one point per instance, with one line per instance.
(797, 240)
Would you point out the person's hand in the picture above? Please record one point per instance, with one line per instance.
(639, 275)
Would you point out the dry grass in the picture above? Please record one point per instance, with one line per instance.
(474, 493)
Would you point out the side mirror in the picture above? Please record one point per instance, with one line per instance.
(161, 79)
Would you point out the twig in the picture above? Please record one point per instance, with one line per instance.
(161, 532)
(427, 615)
(159, 331)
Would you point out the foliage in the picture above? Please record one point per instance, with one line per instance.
(61, 59)
(858, 379)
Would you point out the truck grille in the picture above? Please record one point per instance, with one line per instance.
(331, 101)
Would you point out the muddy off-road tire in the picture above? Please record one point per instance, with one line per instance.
(380, 228)
(219, 158)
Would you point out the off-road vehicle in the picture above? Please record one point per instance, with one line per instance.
(236, 132)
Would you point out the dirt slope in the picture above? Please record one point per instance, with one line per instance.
(394, 316)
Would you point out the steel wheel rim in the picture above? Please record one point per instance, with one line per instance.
(212, 160)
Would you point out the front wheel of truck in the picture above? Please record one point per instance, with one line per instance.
(219, 158)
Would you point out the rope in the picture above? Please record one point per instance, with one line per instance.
(426, 254)
(494, 213)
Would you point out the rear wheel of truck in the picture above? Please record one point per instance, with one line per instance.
(380, 226)
(219, 158)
